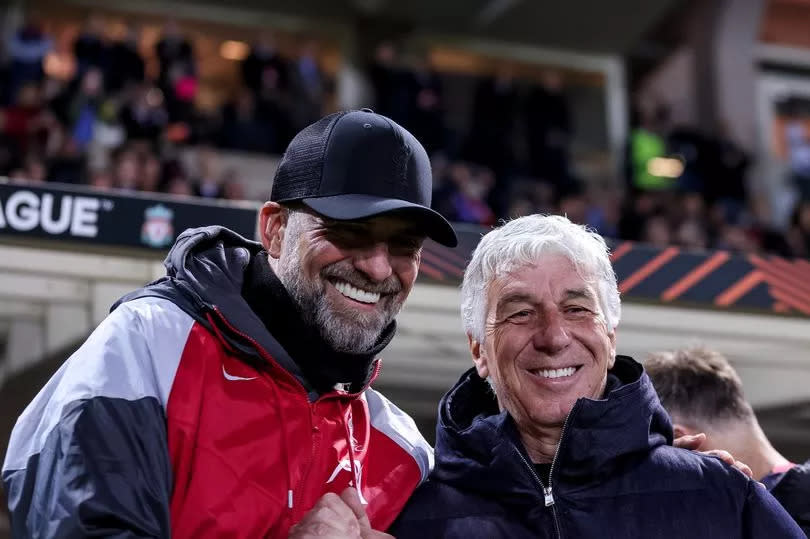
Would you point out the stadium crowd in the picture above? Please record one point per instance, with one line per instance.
(110, 125)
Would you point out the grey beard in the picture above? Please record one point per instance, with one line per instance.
(343, 332)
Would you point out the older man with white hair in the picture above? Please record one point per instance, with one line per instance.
(552, 434)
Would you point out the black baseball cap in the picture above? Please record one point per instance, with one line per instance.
(358, 164)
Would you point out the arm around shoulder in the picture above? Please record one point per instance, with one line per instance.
(764, 518)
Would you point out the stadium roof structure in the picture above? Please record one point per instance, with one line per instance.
(587, 26)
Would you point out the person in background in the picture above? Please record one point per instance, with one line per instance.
(144, 116)
(27, 48)
(308, 86)
(703, 393)
(647, 143)
(89, 48)
(426, 107)
(549, 131)
(126, 66)
(174, 51)
(491, 140)
(264, 61)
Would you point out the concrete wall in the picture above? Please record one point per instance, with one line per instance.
(735, 71)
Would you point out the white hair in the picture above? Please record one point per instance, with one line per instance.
(521, 242)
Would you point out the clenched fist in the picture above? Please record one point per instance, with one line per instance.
(336, 517)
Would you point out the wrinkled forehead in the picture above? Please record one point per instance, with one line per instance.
(552, 276)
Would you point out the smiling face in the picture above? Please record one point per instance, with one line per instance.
(546, 343)
(349, 278)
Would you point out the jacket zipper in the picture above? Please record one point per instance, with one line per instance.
(548, 497)
(297, 495)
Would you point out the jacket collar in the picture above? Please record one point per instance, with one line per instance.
(477, 447)
(205, 273)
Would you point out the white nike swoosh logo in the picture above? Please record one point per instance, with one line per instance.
(232, 377)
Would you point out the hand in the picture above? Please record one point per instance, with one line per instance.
(695, 441)
(336, 517)
(330, 517)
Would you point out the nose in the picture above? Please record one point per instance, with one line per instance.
(551, 337)
(374, 262)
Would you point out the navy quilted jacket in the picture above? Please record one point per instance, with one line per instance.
(616, 476)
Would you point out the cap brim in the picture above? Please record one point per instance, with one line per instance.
(348, 207)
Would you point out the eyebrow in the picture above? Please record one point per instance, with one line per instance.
(578, 293)
(514, 297)
(518, 297)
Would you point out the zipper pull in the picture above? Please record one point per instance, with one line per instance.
(548, 497)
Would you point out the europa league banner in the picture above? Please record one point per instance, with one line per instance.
(63, 212)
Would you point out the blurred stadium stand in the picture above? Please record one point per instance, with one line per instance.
(56, 288)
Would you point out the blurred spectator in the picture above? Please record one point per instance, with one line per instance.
(647, 147)
(735, 237)
(207, 184)
(173, 50)
(695, 153)
(18, 175)
(657, 231)
(232, 188)
(26, 49)
(265, 63)
(604, 212)
(635, 213)
(574, 206)
(78, 109)
(145, 117)
(180, 93)
(125, 67)
(272, 108)
(691, 234)
(35, 170)
(150, 176)
(307, 87)
(799, 233)
(125, 171)
(769, 238)
(726, 181)
(19, 119)
(548, 130)
(89, 49)
(388, 80)
(490, 140)
(101, 179)
(108, 132)
(242, 129)
(425, 114)
(799, 156)
(180, 186)
(68, 165)
(463, 198)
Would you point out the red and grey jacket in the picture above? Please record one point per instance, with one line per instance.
(182, 416)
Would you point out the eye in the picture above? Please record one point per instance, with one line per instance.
(576, 309)
(408, 246)
(347, 236)
(520, 315)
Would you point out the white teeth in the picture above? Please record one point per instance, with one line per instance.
(357, 294)
(555, 373)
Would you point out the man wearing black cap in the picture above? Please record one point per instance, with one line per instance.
(231, 397)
